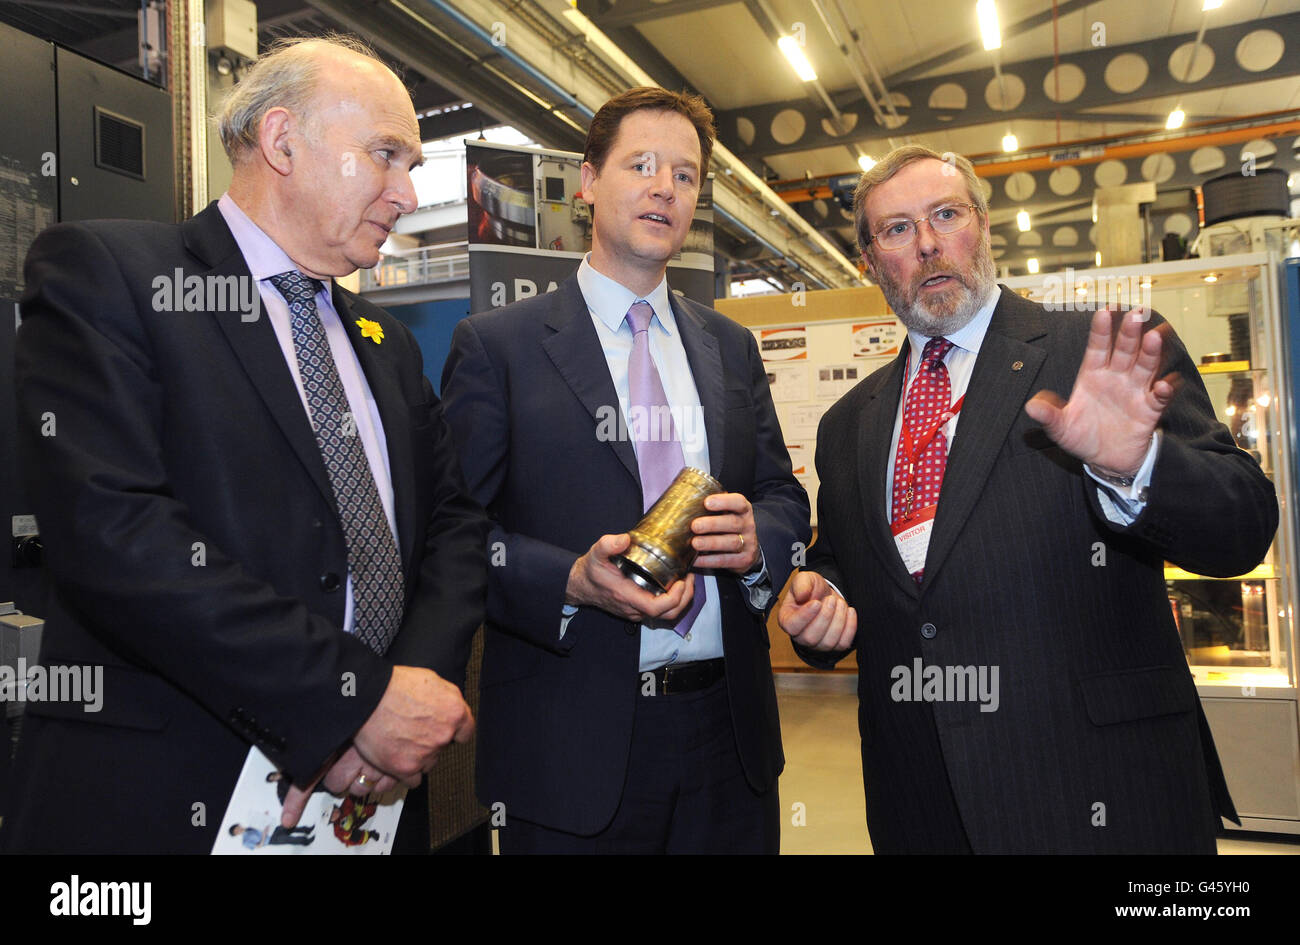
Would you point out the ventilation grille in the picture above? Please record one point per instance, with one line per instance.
(119, 144)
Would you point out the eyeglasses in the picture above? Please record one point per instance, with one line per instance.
(943, 220)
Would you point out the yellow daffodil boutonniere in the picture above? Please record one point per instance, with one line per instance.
(372, 330)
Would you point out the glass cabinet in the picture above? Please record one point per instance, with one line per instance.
(1238, 633)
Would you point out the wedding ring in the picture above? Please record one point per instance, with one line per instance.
(361, 779)
(742, 543)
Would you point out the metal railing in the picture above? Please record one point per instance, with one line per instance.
(428, 265)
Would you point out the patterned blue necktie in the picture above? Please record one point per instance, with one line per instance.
(373, 560)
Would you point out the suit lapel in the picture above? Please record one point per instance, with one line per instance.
(875, 439)
(702, 354)
(575, 350)
(207, 237)
(394, 414)
(999, 386)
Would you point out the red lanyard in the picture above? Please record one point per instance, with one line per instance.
(915, 446)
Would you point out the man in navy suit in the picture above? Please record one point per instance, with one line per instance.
(997, 552)
(252, 511)
(612, 720)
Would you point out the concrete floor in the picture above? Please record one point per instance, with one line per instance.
(821, 789)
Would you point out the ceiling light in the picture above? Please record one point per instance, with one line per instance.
(794, 53)
(1230, 410)
(1009, 143)
(1263, 400)
(1022, 221)
(1032, 263)
(866, 162)
(1175, 119)
(1210, 277)
(1098, 257)
(1211, 5)
(987, 12)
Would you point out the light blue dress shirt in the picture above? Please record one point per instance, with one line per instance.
(265, 259)
(608, 302)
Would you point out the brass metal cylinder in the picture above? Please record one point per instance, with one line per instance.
(661, 550)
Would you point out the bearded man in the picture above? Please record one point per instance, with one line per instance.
(1022, 685)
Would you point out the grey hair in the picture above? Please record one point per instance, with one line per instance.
(284, 76)
(895, 161)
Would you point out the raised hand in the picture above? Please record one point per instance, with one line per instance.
(1117, 399)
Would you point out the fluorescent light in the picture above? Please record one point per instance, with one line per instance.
(866, 162)
(1211, 5)
(1009, 143)
(1032, 263)
(987, 11)
(1022, 221)
(1175, 119)
(802, 67)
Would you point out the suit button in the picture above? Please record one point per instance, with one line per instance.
(928, 630)
(630, 629)
(329, 581)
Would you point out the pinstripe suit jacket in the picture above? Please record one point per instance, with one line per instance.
(1098, 742)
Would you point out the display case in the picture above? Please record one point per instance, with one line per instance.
(1238, 633)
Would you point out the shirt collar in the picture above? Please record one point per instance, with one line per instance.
(969, 337)
(263, 255)
(609, 300)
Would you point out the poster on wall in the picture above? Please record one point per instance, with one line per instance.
(783, 344)
(529, 226)
(878, 339)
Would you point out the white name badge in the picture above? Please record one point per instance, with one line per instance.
(912, 536)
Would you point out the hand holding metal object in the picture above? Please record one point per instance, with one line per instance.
(661, 551)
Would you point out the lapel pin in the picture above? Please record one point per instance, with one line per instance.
(1018, 365)
(372, 330)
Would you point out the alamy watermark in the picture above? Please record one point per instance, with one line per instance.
(658, 424)
(37, 683)
(1086, 291)
(178, 292)
(921, 683)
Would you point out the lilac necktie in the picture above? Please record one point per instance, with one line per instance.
(658, 449)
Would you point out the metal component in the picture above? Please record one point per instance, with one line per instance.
(661, 550)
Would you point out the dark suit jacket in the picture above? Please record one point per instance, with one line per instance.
(194, 542)
(523, 389)
(1025, 573)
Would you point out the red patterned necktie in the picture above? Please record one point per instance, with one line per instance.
(918, 479)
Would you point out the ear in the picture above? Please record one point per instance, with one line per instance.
(871, 268)
(274, 136)
(588, 183)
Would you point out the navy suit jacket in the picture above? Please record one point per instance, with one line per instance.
(194, 543)
(1098, 742)
(523, 389)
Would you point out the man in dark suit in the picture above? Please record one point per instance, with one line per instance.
(252, 511)
(1022, 685)
(612, 720)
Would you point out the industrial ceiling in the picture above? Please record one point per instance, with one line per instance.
(1085, 89)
